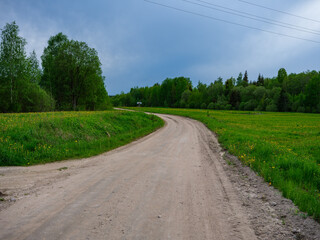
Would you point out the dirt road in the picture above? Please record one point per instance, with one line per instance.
(168, 185)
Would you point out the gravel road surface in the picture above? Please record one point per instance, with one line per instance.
(172, 184)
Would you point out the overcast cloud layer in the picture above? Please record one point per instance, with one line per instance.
(140, 43)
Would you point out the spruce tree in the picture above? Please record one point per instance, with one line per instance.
(245, 82)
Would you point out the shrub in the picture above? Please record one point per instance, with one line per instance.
(272, 108)
(241, 106)
(211, 105)
(250, 105)
(228, 107)
(301, 109)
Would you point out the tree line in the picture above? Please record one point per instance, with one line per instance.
(283, 93)
(70, 77)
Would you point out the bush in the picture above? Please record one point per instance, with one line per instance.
(183, 104)
(272, 108)
(192, 105)
(203, 106)
(211, 105)
(250, 105)
(37, 100)
(197, 105)
(295, 106)
(301, 109)
(221, 106)
(228, 107)
(241, 106)
(259, 108)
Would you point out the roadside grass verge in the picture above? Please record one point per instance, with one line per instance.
(284, 148)
(36, 138)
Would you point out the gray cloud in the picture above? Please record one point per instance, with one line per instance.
(140, 44)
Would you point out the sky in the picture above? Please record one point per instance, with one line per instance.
(141, 43)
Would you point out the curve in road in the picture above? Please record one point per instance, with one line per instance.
(168, 185)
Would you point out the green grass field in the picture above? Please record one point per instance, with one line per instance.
(284, 148)
(33, 138)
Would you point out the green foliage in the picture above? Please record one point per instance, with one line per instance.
(272, 108)
(72, 74)
(35, 99)
(203, 106)
(19, 75)
(34, 70)
(283, 102)
(239, 79)
(33, 138)
(245, 81)
(282, 75)
(312, 99)
(235, 97)
(284, 148)
(211, 106)
(12, 66)
(260, 81)
(267, 94)
(229, 84)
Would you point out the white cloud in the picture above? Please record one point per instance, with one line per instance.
(139, 43)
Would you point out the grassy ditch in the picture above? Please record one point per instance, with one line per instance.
(284, 148)
(34, 138)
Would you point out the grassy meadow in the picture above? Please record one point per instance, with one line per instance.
(284, 148)
(34, 138)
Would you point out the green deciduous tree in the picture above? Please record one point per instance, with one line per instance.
(312, 92)
(12, 65)
(34, 70)
(72, 74)
(155, 96)
(282, 75)
(229, 85)
(215, 90)
(19, 75)
(283, 101)
(263, 95)
(235, 97)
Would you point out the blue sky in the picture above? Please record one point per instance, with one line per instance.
(140, 43)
